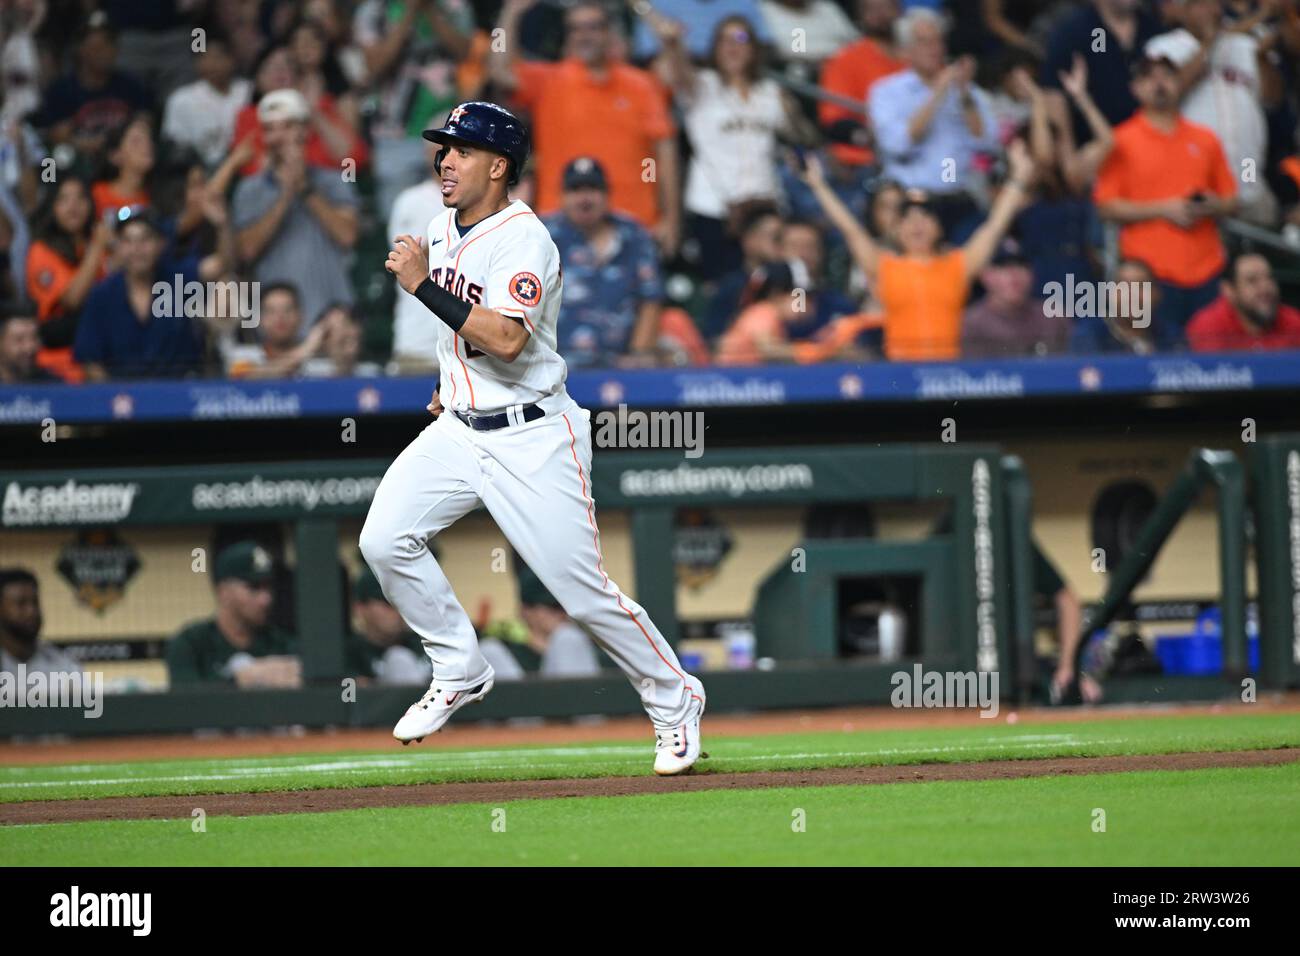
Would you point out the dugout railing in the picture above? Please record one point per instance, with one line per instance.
(1263, 511)
(1204, 468)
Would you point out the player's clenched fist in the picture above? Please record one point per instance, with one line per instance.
(435, 405)
(408, 262)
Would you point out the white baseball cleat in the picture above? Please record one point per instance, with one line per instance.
(430, 712)
(678, 747)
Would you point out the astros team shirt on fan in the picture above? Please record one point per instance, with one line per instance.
(1148, 165)
(48, 276)
(617, 120)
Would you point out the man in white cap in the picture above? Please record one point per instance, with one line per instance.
(296, 223)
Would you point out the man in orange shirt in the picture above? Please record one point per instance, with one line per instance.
(850, 73)
(592, 104)
(1167, 183)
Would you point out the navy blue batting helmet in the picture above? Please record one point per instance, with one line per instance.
(487, 125)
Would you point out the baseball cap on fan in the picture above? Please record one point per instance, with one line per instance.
(98, 22)
(585, 173)
(286, 104)
(1177, 48)
(917, 199)
(777, 276)
(1010, 253)
(245, 561)
(141, 213)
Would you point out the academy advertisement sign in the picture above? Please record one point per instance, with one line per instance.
(161, 496)
(725, 480)
(305, 495)
(70, 502)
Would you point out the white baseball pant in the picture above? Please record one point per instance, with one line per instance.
(534, 479)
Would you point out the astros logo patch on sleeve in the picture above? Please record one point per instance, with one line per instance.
(526, 288)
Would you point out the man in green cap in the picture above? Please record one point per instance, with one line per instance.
(382, 648)
(237, 645)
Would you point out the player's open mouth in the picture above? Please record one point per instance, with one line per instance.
(448, 185)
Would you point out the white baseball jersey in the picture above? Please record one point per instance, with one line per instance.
(506, 262)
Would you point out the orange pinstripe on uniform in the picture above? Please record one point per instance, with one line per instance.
(600, 561)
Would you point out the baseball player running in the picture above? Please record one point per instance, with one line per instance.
(514, 442)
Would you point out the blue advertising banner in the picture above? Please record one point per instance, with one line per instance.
(1059, 377)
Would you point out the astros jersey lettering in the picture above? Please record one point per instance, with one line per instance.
(507, 262)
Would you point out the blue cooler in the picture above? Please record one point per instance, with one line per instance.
(1201, 652)
(1171, 650)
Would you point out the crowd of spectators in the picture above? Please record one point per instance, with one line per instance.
(730, 181)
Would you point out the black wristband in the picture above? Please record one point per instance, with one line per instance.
(443, 304)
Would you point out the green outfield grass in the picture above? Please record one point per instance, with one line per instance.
(1206, 817)
(994, 739)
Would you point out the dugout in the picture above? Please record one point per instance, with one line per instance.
(974, 578)
(962, 578)
(321, 503)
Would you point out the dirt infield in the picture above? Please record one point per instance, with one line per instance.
(490, 735)
(506, 791)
